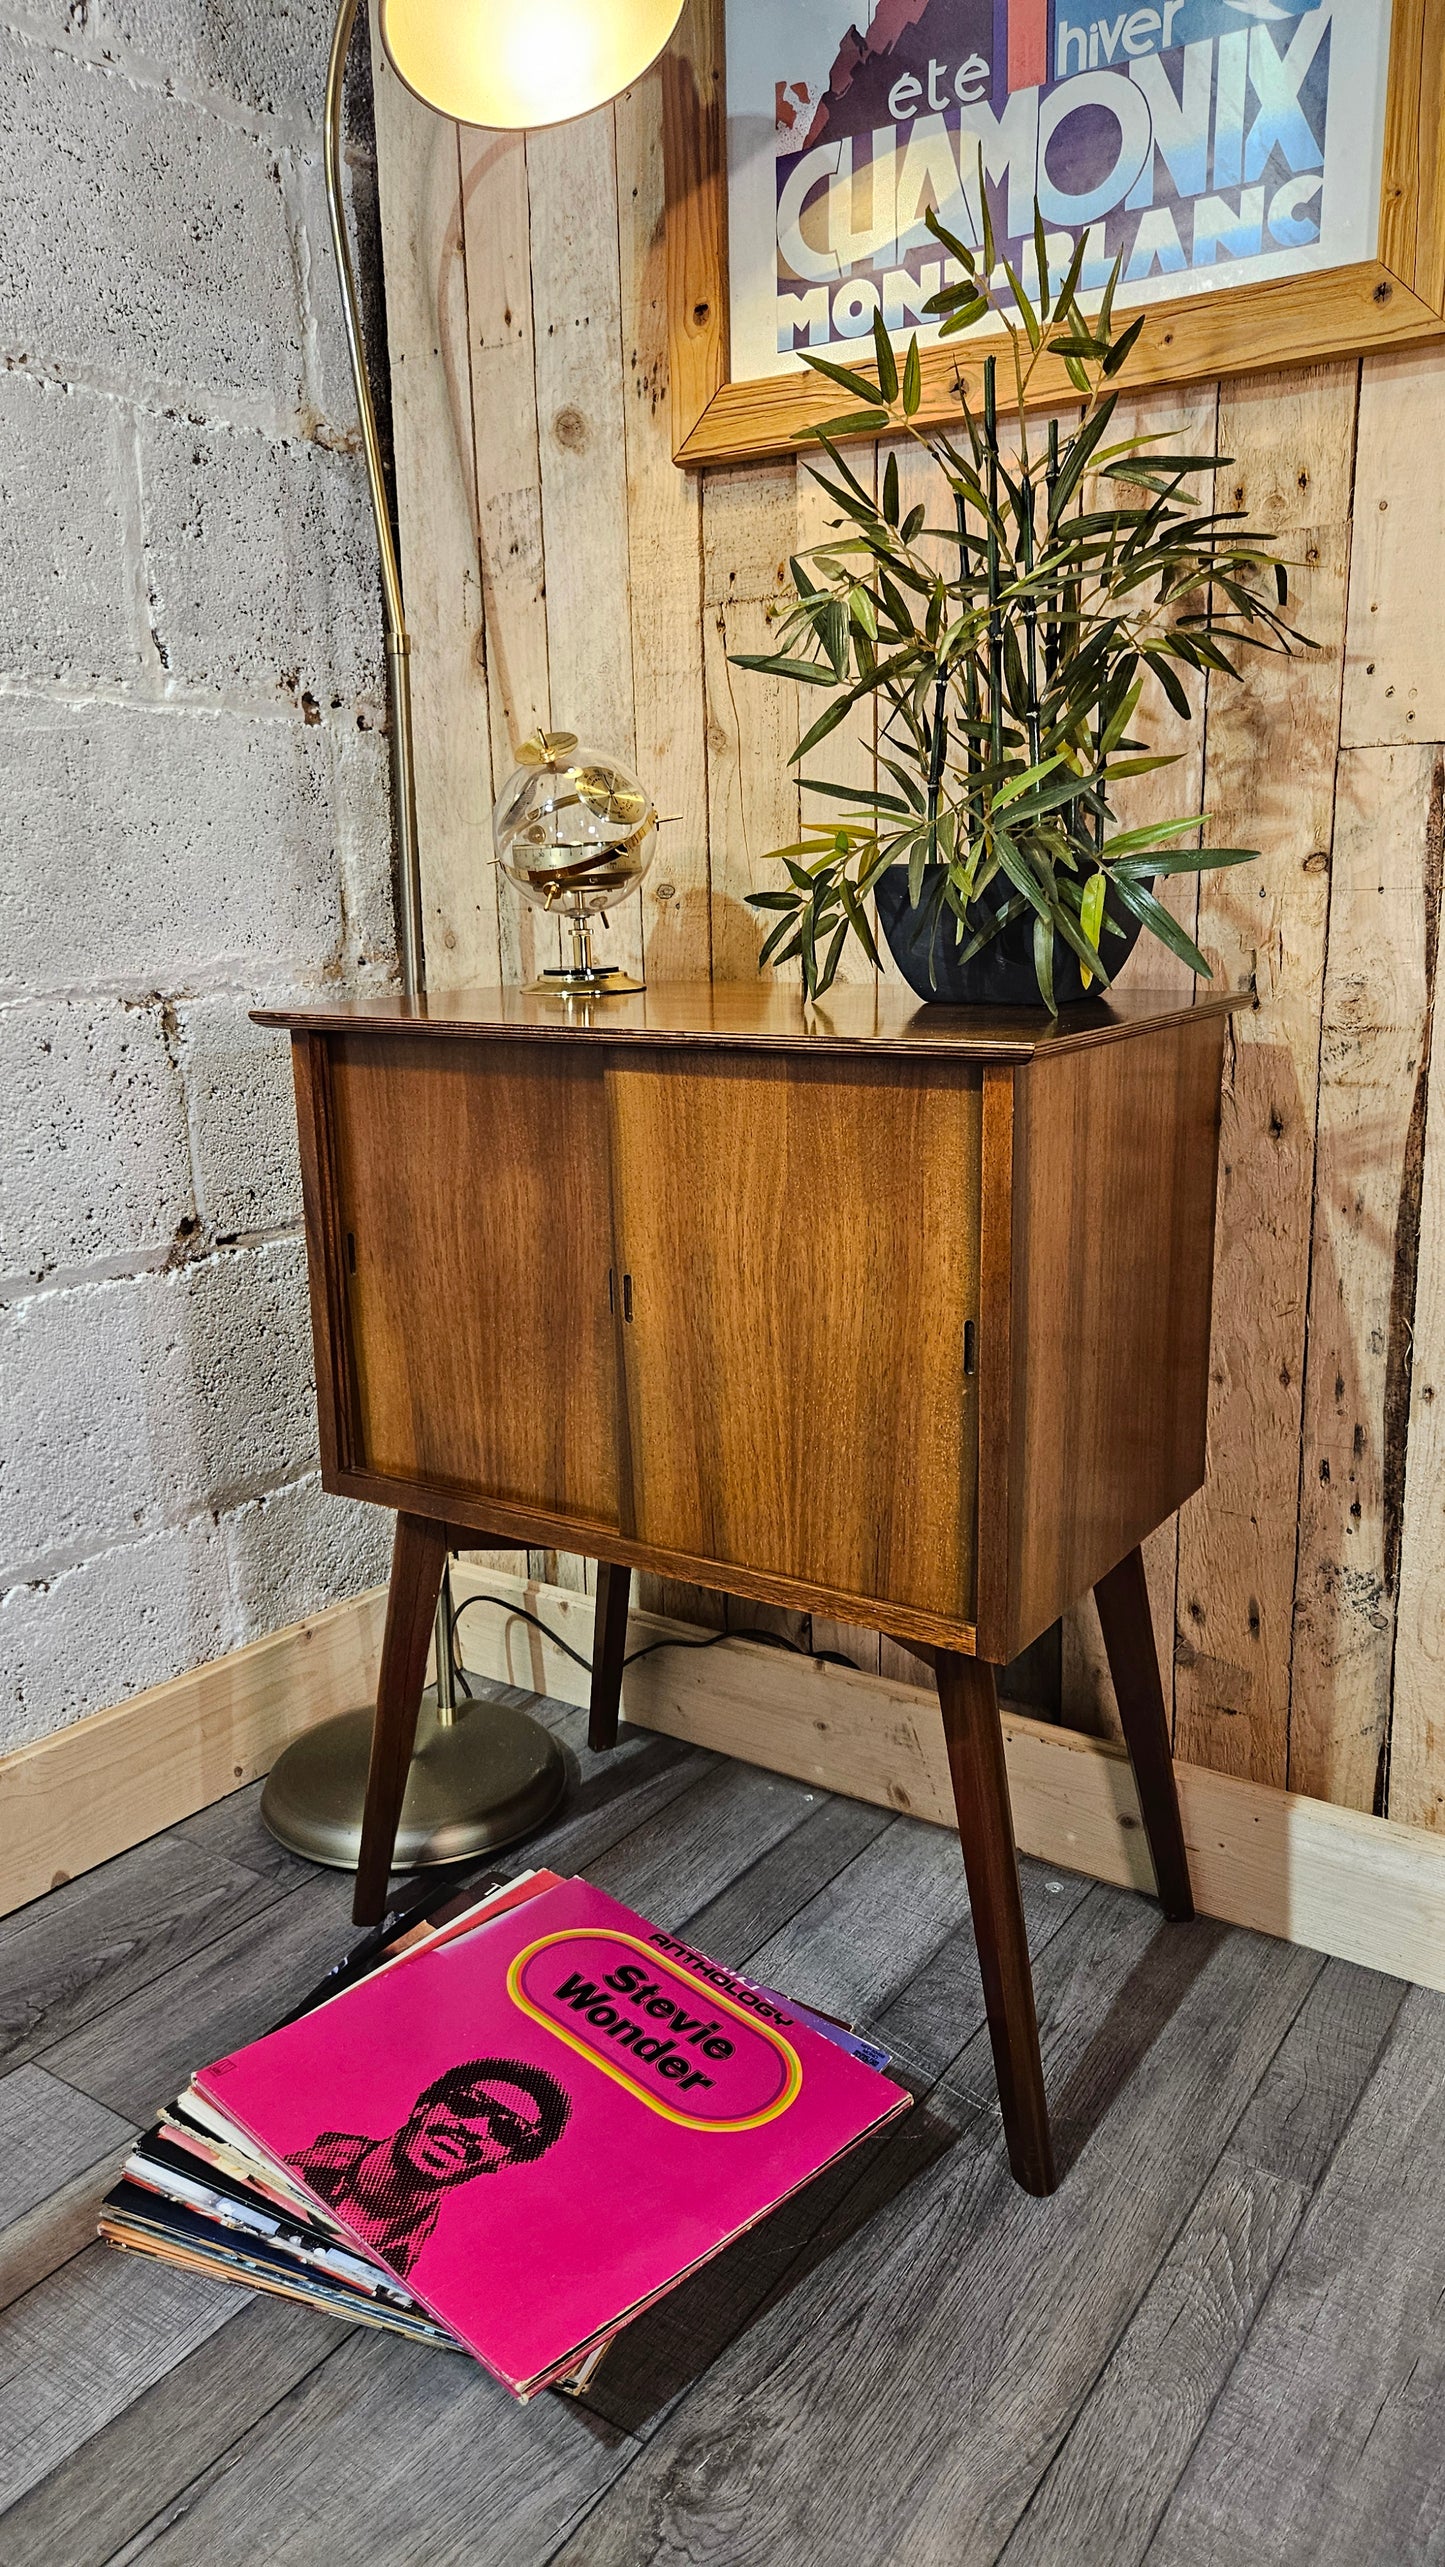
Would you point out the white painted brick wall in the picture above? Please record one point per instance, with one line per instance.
(147, 246)
(71, 606)
(242, 1125)
(93, 1136)
(290, 618)
(127, 1618)
(196, 817)
(154, 843)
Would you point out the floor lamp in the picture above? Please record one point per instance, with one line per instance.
(482, 1775)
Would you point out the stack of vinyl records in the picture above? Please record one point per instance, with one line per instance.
(194, 2199)
(513, 2117)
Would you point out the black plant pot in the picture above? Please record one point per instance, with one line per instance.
(1001, 973)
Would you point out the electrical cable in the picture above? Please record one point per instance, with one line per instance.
(770, 1639)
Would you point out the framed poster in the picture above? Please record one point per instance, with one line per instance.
(1270, 173)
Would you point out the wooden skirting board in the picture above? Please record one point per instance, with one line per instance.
(90, 1791)
(1365, 1889)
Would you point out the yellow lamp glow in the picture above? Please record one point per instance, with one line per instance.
(536, 63)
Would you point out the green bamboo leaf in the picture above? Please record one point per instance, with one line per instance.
(1041, 257)
(843, 376)
(863, 612)
(949, 297)
(1080, 449)
(858, 921)
(887, 362)
(1020, 784)
(1159, 663)
(917, 859)
(1121, 717)
(802, 672)
(1161, 923)
(1019, 872)
(902, 778)
(1158, 833)
(890, 490)
(808, 938)
(852, 423)
(1044, 961)
(1091, 908)
(1122, 347)
(1064, 301)
(841, 465)
(912, 379)
(1183, 860)
(1031, 318)
(861, 509)
(1090, 958)
(957, 248)
(772, 942)
(990, 254)
(829, 973)
(860, 793)
(845, 701)
(1053, 797)
(965, 318)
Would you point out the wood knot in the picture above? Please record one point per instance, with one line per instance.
(570, 429)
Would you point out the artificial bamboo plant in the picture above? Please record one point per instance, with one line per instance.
(1008, 650)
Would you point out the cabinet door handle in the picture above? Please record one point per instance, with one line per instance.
(970, 1352)
(627, 1296)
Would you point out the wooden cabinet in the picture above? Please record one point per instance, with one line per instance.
(891, 1313)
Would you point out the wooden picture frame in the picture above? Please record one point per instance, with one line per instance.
(1391, 300)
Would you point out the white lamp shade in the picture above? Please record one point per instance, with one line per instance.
(511, 63)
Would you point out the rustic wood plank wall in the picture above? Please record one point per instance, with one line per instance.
(559, 567)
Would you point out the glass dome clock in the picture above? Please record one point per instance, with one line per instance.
(576, 832)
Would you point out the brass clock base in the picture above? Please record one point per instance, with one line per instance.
(605, 980)
(481, 1780)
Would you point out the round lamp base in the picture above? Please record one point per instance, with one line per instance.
(489, 1777)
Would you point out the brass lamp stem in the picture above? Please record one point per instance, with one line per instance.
(411, 948)
(480, 1781)
(398, 640)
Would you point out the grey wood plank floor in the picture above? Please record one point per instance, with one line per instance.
(1221, 2342)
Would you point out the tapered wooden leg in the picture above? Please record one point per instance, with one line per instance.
(968, 1697)
(417, 1562)
(609, 1649)
(1123, 1601)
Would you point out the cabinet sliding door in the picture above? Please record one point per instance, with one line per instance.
(475, 1222)
(798, 1247)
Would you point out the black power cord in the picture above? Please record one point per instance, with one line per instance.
(770, 1639)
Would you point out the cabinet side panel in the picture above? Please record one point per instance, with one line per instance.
(310, 1068)
(997, 1194)
(1115, 1163)
(800, 1253)
(476, 1239)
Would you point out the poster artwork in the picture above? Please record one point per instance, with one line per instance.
(1208, 143)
